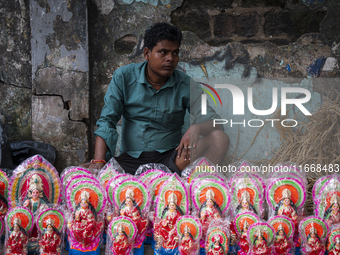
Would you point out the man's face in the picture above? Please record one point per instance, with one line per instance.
(162, 60)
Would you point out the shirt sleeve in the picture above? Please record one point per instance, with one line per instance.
(111, 114)
(195, 106)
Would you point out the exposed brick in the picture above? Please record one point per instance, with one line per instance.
(125, 44)
(263, 3)
(192, 16)
(293, 23)
(197, 4)
(196, 21)
(226, 25)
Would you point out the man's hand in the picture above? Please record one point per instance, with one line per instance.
(97, 166)
(188, 144)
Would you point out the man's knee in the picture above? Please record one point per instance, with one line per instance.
(219, 139)
(181, 163)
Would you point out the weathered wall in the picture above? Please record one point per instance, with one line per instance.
(60, 104)
(15, 70)
(44, 75)
(52, 51)
(232, 39)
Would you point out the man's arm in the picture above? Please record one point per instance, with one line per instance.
(106, 133)
(99, 153)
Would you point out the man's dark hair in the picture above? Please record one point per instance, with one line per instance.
(161, 31)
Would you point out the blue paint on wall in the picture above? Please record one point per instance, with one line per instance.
(313, 3)
(315, 68)
(288, 68)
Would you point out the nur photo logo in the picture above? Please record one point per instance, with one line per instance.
(238, 104)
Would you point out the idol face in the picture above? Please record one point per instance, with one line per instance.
(210, 203)
(84, 204)
(172, 206)
(286, 201)
(35, 194)
(128, 202)
(49, 229)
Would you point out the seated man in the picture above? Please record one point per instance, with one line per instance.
(152, 97)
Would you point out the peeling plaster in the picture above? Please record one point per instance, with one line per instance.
(42, 27)
(105, 6)
(330, 64)
(78, 63)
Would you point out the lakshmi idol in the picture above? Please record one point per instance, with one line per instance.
(216, 247)
(334, 249)
(245, 205)
(209, 210)
(3, 194)
(35, 198)
(122, 232)
(17, 240)
(281, 242)
(3, 206)
(85, 228)
(332, 214)
(286, 207)
(51, 239)
(187, 242)
(120, 245)
(260, 245)
(130, 208)
(165, 230)
(243, 243)
(314, 245)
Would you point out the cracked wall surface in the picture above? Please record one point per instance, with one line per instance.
(15, 70)
(15, 45)
(15, 112)
(52, 125)
(60, 104)
(53, 50)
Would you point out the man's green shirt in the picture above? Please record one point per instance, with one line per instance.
(152, 120)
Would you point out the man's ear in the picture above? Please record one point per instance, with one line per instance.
(146, 53)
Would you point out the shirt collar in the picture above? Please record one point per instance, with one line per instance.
(142, 78)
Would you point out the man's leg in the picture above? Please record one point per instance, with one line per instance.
(213, 146)
(130, 164)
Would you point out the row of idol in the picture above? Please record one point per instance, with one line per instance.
(198, 212)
